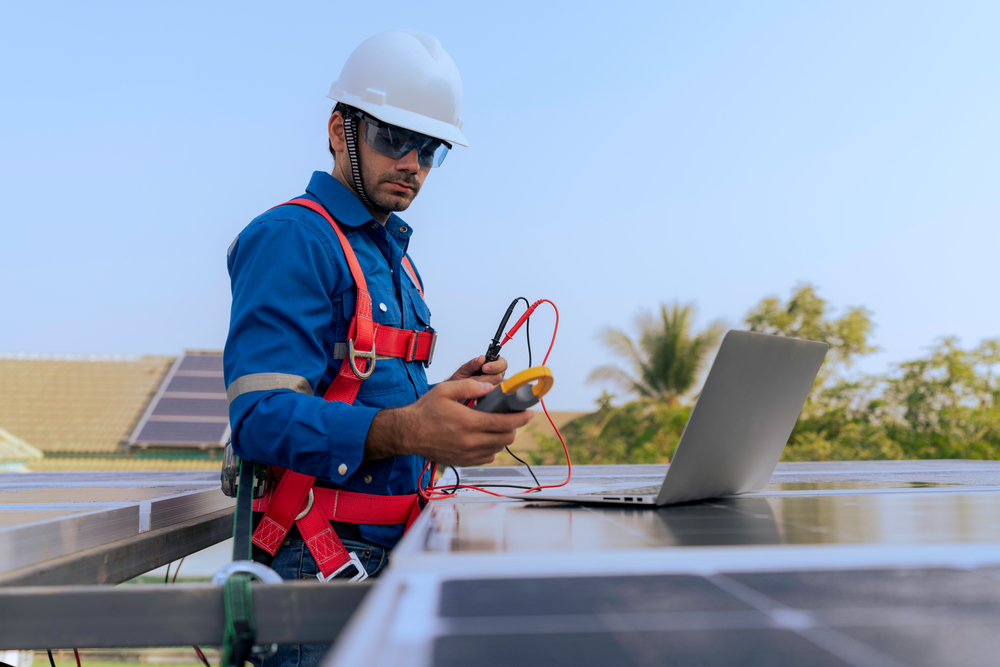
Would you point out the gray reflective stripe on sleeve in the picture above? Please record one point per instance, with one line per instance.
(340, 352)
(232, 245)
(267, 382)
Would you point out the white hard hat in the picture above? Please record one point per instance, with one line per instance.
(404, 78)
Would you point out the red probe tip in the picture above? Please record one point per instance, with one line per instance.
(517, 325)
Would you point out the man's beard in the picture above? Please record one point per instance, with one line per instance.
(386, 203)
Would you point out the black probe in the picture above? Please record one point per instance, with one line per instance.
(493, 351)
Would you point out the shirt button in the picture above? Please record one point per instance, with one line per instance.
(342, 469)
(382, 307)
(374, 225)
(368, 479)
(402, 229)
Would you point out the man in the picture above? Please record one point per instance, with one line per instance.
(299, 312)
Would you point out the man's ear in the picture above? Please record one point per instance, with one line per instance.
(335, 129)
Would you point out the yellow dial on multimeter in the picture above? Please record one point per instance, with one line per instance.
(519, 392)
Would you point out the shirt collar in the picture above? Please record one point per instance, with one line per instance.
(343, 204)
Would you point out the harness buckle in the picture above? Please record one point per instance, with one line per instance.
(370, 356)
(430, 354)
(355, 562)
(411, 351)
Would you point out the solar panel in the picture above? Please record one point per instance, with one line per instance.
(50, 515)
(190, 408)
(866, 617)
(862, 564)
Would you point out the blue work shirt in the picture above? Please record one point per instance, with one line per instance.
(293, 301)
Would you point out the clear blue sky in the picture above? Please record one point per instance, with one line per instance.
(621, 155)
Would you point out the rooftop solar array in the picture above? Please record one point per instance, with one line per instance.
(49, 515)
(190, 409)
(860, 564)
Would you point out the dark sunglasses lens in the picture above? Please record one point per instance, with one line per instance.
(435, 155)
(396, 142)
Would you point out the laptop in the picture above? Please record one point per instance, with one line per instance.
(737, 430)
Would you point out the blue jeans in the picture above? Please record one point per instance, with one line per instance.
(294, 561)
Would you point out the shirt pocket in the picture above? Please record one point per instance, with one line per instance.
(420, 308)
(382, 297)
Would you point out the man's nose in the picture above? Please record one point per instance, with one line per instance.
(409, 162)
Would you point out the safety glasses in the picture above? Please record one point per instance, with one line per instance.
(395, 142)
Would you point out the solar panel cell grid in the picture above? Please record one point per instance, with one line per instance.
(202, 362)
(584, 595)
(745, 648)
(875, 588)
(190, 408)
(193, 407)
(197, 384)
(919, 617)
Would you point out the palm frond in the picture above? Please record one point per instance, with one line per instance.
(621, 345)
(612, 375)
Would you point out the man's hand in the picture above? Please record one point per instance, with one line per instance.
(441, 428)
(492, 372)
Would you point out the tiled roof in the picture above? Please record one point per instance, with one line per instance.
(76, 403)
(67, 464)
(13, 448)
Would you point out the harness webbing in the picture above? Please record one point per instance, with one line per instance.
(413, 274)
(293, 500)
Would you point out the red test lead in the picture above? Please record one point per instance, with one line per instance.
(431, 492)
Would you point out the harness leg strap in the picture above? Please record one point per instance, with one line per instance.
(325, 546)
(287, 500)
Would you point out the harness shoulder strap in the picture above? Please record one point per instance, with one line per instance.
(295, 489)
(413, 275)
(361, 335)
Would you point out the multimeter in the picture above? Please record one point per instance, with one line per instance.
(519, 392)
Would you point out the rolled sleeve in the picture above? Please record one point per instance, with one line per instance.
(283, 274)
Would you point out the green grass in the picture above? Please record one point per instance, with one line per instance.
(176, 656)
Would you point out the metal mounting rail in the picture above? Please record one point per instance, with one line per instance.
(40, 617)
(119, 561)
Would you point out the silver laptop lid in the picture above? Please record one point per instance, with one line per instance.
(746, 411)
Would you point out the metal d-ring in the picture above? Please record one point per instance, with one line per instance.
(309, 506)
(258, 571)
(370, 356)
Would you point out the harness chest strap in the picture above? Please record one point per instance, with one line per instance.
(295, 500)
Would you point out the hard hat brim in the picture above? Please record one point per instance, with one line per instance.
(403, 118)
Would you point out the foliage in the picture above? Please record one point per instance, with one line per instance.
(945, 404)
(643, 431)
(666, 359)
(805, 316)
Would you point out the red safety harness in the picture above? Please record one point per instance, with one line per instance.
(295, 499)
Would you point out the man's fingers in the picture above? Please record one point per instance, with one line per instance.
(502, 423)
(460, 390)
(497, 367)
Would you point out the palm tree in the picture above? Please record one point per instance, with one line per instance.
(666, 360)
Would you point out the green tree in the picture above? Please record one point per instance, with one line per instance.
(665, 360)
(943, 405)
(806, 315)
(947, 405)
(643, 431)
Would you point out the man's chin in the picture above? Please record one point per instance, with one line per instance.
(394, 201)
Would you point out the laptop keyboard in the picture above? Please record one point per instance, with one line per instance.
(635, 491)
